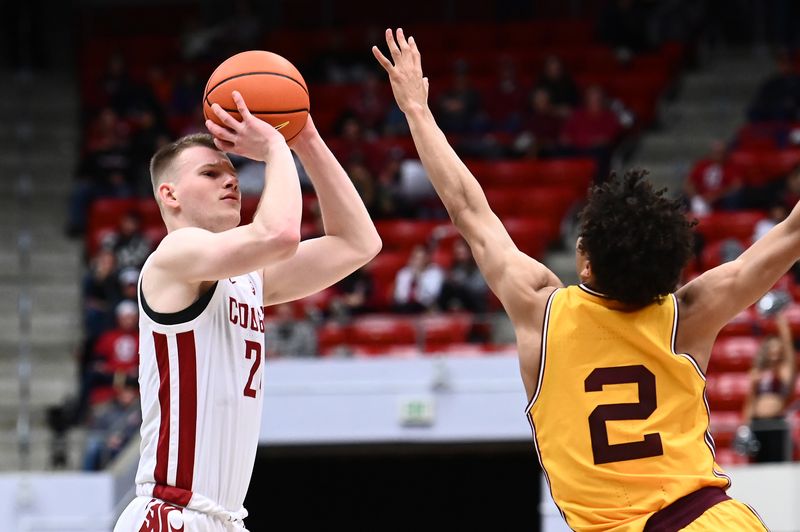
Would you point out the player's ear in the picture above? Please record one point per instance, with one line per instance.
(167, 194)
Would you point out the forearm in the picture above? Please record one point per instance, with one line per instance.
(344, 214)
(454, 183)
(280, 208)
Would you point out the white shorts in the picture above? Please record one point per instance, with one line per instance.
(146, 514)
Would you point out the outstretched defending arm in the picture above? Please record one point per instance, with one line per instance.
(511, 274)
(714, 298)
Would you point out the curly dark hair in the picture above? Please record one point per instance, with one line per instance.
(637, 240)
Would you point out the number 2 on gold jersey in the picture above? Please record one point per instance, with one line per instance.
(603, 451)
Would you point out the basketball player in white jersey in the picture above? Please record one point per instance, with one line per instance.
(202, 294)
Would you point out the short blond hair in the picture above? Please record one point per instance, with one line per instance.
(166, 155)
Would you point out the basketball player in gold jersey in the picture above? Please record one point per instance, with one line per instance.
(615, 380)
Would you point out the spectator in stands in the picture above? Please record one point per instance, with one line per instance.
(111, 425)
(290, 337)
(418, 284)
(714, 183)
(540, 126)
(592, 130)
(558, 83)
(100, 293)
(506, 99)
(389, 201)
(116, 355)
(128, 282)
(775, 215)
(148, 135)
(464, 287)
(772, 385)
(778, 97)
(123, 94)
(364, 182)
(352, 295)
(129, 244)
(624, 25)
(459, 106)
(370, 104)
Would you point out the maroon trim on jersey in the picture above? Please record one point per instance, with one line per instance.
(683, 511)
(162, 449)
(172, 495)
(187, 420)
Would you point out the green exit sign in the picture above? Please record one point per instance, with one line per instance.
(418, 411)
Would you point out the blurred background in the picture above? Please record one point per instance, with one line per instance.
(392, 400)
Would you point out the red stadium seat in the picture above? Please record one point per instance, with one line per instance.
(727, 391)
(106, 212)
(383, 330)
(404, 234)
(151, 214)
(532, 235)
(712, 252)
(734, 353)
(738, 225)
(729, 457)
(386, 264)
(723, 427)
(576, 173)
(546, 201)
(743, 324)
(331, 334)
(395, 351)
(442, 329)
(459, 349)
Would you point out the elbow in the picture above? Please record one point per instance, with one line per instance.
(285, 241)
(371, 246)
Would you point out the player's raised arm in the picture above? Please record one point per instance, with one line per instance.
(350, 239)
(714, 298)
(197, 254)
(511, 274)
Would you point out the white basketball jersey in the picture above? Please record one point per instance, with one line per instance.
(200, 381)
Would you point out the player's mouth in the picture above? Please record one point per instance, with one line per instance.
(231, 197)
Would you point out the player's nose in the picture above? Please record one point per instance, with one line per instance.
(232, 182)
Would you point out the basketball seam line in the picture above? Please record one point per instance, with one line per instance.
(263, 112)
(212, 89)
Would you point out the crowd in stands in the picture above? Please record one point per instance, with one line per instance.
(738, 192)
(537, 114)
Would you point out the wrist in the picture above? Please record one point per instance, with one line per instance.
(418, 112)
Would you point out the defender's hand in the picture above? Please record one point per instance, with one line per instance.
(410, 88)
(251, 137)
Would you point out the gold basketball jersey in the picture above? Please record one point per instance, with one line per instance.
(619, 419)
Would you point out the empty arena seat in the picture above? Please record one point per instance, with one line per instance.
(727, 391)
(458, 349)
(441, 329)
(395, 351)
(577, 173)
(532, 235)
(726, 456)
(719, 251)
(546, 201)
(723, 427)
(331, 334)
(151, 214)
(738, 225)
(405, 234)
(733, 353)
(106, 212)
(743, 324)
(383, 330)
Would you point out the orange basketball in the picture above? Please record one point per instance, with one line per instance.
(271, 86)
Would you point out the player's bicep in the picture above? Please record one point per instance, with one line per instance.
(317, 264)
(195, 255)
